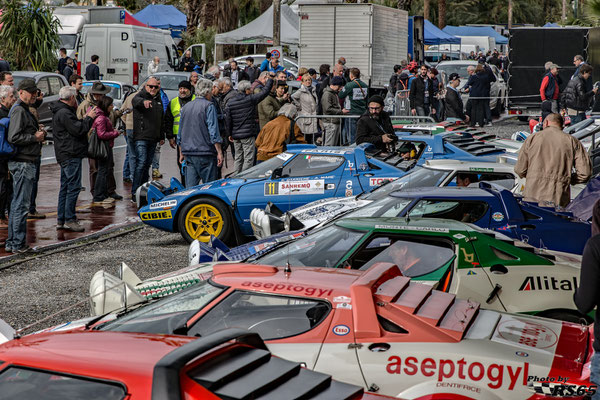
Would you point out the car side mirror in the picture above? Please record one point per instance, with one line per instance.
(277, 173)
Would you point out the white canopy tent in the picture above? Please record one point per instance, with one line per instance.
(260, 30)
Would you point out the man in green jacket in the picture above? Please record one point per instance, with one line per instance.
(355, 92)
(331, 106)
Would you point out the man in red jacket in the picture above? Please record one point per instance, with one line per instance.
(549, 90)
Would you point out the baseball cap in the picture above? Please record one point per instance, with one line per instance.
(28, 84)
(337, 81)
(453, 76)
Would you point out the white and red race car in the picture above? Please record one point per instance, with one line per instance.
(378, 329)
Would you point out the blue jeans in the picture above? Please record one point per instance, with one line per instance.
(127, 164)
(595, 373)
(144, 153)
(70, 186)
(23, 174)
(349, 133)
(34, 190)
(156, 158)
(200, 168)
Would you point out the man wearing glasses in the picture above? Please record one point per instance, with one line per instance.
(578, 61)
(375, 125)
(147, 124)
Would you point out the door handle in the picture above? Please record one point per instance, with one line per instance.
(379, 347)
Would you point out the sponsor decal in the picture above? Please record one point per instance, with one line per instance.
(330, 186)
(344, 306)
(155, 215)
(481, 169)
(163, 204)
(205, 187)
(341, 330)
(459, 386)
(469, 257)
(325, 159)
(471, 273)
(459, 236)
(493, 375)
(522, 354)
(363, 166)
(533, 283)
(348, 193)
(315, 186)
(224, 183)
(527, 333)
(326, 151)
(284, 156)
(498, 216)
(379, 181)
(413, 228)
(342, 299)
(289, 287)
(348, 188)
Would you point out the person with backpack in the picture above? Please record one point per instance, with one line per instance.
(7, 100)
(70, 147)
(26, 136)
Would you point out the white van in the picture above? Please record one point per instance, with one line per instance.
(125, 51)
(484, 43)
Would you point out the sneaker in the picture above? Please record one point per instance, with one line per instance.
(488, 124)
(74, 226)
(116, 196)
(35, 215)
(24, 249)
(156, 173)
(59, 226)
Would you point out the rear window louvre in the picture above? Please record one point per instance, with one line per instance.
(472, 146)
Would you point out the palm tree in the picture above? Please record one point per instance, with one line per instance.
(441, 14)
(426, 9)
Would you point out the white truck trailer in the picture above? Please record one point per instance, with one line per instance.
(371, 37)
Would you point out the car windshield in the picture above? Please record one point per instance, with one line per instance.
(30, 384)
(413, 259)
(460, 69)
(418, 177)
(387, 207)
(115, 90)
(323, 248)
(167, 313)
(264, 169)
(170, 82)
(67, 41)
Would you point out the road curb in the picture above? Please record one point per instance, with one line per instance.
(15, 259)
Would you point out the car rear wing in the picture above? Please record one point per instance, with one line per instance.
(244, 370)
(384, 282)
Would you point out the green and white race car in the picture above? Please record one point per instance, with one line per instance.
(455, 257)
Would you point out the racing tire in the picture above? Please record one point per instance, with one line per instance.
(567, 315)
(203, 217)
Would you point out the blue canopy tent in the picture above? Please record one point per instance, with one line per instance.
(434, 35)
(551, 25)
(476, 31)
(163, 17)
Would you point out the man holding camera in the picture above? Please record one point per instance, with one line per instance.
(375, 125)
(26, 136)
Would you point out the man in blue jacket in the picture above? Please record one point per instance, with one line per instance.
(199, 137)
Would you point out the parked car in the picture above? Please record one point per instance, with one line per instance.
(498, 90)
(302, 174)
(169, 82)
(289, 63)
(49, 83)
(118, 91)
(376, 327)
(229, 364)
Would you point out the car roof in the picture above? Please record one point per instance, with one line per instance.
(89, 83)
(33, 74)
(458, 62)
(446, 192)
(131, 354)
(403, 224)
(473, 166)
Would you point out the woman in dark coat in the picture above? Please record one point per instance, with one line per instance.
(478, 83)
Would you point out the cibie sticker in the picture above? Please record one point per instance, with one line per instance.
(153, 215)
(341, 330)
(316, 186)
(163, 204)
(498, 216)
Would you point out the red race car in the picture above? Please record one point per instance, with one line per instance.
(230, 364)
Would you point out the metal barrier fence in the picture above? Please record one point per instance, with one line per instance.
(397, 118)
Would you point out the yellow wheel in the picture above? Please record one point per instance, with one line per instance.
(202, 218)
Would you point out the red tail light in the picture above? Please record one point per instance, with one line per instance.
(136, 74)
(78, 67)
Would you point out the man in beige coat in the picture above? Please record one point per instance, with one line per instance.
(547, 160)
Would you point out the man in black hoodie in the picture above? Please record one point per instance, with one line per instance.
(70, 146)
(147, 130)
(375, 125)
